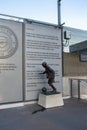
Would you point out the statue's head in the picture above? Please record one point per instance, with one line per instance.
(44, 64)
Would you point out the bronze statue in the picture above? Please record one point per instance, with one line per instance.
(50, 73)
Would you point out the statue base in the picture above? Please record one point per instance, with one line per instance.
(50, 100)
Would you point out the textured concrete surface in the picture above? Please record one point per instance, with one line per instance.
(71, 116)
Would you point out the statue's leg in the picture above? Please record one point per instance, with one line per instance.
(50, 84)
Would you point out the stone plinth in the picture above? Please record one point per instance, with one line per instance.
(50, 100)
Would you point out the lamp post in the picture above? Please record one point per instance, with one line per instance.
(59, 12)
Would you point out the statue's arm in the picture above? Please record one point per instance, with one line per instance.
(44, 72)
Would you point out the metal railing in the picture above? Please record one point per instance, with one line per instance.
(78, 88)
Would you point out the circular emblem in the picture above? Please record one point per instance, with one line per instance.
(8, 42)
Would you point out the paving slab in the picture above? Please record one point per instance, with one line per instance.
(71, 116)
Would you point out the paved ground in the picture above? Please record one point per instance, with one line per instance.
(72, 116)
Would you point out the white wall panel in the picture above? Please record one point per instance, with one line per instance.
(10, 61)
(42, 43)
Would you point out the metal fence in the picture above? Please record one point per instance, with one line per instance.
(78, 88)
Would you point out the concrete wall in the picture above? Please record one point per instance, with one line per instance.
(72, 65)
(73, 69)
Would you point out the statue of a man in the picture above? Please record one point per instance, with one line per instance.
(50, 73)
